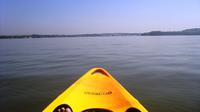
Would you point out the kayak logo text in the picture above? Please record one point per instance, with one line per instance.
(98, 93)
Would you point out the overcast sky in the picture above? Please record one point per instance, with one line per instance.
(96, 16)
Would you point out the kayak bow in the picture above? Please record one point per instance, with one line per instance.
(96, 91)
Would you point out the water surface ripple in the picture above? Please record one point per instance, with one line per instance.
(162, 72)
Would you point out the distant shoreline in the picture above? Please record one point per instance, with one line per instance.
(75, 35)
(193, 31)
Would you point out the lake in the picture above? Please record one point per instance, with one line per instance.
(162, 72)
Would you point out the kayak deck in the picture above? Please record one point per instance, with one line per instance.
(97, 91)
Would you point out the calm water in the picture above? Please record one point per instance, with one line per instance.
(163, 73)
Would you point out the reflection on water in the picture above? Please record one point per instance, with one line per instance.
(162, 72)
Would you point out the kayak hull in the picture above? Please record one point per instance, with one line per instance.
(97, 89)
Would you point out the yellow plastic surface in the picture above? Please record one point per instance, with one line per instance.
(96, 89)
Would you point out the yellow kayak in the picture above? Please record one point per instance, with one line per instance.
(96, 91)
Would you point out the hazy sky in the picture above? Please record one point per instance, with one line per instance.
(96, 16)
